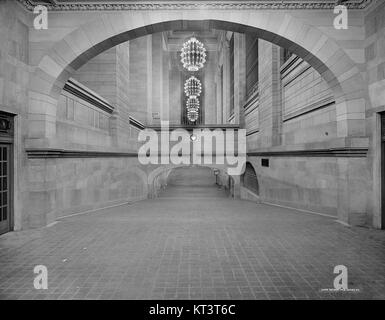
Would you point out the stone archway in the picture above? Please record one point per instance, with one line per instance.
(249, 179)
(108, 30)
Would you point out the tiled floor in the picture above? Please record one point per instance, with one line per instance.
(202, 247)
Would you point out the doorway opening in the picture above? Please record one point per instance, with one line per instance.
(383, 171)
(6, 172)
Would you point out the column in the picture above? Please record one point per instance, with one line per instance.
(239, 78)
(270, 105)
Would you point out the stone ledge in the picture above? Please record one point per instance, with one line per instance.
(338, 152)
(197, 127)
(81, 91)
(61, 153)
(136, 123)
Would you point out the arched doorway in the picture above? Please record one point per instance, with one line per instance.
(250, 180)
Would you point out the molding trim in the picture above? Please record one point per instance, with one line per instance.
(251, 132)
(81, 91)
(197, 127)
(289, 63)
(318, 105)
(195, 5)
(337, 152)
(136, 123)
(61, 153)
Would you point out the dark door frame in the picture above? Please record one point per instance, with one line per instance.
(7, 138)
(383, 171)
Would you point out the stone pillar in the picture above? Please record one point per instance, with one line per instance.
(149, 79)
(175, 95)
(239, 78)
(119, 132)
(270, 105)
(165, 73)
(237, 187)
(138, 87)
(226, 81)
(157, 78)
(351, 117)
(218, 80)
(208, 94)
(41, 120)
(352, 180)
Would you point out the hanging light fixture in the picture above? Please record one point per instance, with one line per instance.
(193, 87)
(192, 115)
(192, 103)
(193, 55)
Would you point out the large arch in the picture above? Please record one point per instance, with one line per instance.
(279, 27)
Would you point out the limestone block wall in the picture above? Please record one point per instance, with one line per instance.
(251, 111)
(14, 97)
(175, 92)
(328, 185)
(209, 94)
(308, 106)
(295, 110)
(59, 187)
(191, 176)
(139, 78)
(100, 75)
(375, 73)
(317, 126)
(81, 125)
(108, 75)
(270, 107)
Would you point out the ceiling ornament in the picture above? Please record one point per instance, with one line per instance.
(103, 5)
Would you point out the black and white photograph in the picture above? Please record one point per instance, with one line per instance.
(191, 156)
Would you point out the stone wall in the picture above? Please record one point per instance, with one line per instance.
(14, 97)
(270, 106)
(308, 105)
(80, 125)
(108, 75)
(138, 88)
(191, 176)
(375, 70)
(59, 187)
(328, 185)
(295, 110)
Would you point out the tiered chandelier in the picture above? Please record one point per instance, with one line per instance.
(193, 58)
(192, 115)
(193, 55)
(192, 105)
(193, 87)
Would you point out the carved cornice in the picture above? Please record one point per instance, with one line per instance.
(101, 5)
